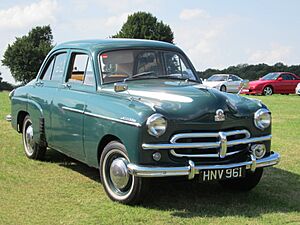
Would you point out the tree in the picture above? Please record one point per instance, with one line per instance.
(25, 56)
(144, 25)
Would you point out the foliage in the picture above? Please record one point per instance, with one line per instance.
(64, 191)
(142, 25)
(252, 72)
(25, 56)
(5, 86)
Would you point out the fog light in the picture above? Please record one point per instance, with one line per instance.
(258, 150)
(156, 156)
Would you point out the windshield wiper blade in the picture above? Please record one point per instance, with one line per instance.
(143, 74)
(177, 78)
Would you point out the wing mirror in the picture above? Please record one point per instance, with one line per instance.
(280, 79)
(120, 87)
(229, 79)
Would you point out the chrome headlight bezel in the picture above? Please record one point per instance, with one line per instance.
(262, 118)
(156, 124)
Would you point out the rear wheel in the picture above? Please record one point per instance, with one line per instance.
(223, 88)
(32, 149)
(268, 91)
(119, 185)
(243, 184)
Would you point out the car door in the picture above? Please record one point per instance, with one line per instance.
(286, 83)
(236, 83)
(45, 88)
(230, 84)
(70, 105)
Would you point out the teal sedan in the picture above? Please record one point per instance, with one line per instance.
(135, 109)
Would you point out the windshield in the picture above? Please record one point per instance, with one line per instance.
(218, 78)
(141, 64)
(270, 76)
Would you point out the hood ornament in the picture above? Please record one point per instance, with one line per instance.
(220, 116)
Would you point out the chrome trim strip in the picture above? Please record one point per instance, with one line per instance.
(114, 119)
(201, 155)
(8, 118)
(191, 170)
(102, 117)
(73, 110)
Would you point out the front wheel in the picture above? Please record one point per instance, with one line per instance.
(267, 91)
(119, 185)
(243, 184)
(32, 149)
(223, 88)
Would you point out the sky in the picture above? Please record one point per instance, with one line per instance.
(214, 34)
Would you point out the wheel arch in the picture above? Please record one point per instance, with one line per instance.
(103, 142)
(20, 119)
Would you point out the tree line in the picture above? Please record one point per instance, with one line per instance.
(252, 72)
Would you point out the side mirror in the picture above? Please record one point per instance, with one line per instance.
(120, 87)
(280, 79)
(229, 79)
(205, 79)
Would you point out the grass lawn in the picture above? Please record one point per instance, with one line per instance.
(62, 191)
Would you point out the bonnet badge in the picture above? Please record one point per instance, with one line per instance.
(219, 115)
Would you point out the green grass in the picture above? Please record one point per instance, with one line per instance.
(62, 191)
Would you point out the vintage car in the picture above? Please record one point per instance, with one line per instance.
(225, 82)
(135, 110)
(273, 83)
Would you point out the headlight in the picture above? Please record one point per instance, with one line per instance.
(262, 118)
(157, 125)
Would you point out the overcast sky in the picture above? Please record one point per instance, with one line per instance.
(214, 34)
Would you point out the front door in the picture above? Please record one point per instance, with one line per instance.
(70, 105)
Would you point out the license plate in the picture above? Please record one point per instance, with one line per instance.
(222, 174)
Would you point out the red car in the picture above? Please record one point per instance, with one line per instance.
(273, 83)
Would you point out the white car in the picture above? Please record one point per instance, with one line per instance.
(298, 89)
(225, 82)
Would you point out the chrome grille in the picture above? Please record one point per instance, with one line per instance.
(213, 144)
(218, 143)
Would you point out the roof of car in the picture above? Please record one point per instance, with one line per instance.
(113, 43)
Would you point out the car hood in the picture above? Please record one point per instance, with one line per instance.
(185, 100)
(257, 82)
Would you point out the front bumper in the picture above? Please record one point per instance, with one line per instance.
(251, 91)
(191, 170)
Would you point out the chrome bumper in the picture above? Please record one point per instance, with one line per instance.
(8, 118)
(191, 170)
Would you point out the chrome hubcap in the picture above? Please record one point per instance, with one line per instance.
(29, 143)
(119, 173)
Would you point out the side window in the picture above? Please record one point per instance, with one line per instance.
(89, 77)
(235, 78)
(59, 67)
(286, 77)
(81, 69)
(48, 71)
(176, 66)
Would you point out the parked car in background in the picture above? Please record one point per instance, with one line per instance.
(224, 82)
(297, 90)
(273, 83)
(135, 109)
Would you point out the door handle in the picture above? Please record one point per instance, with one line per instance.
(66, 85)
(39, 83)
